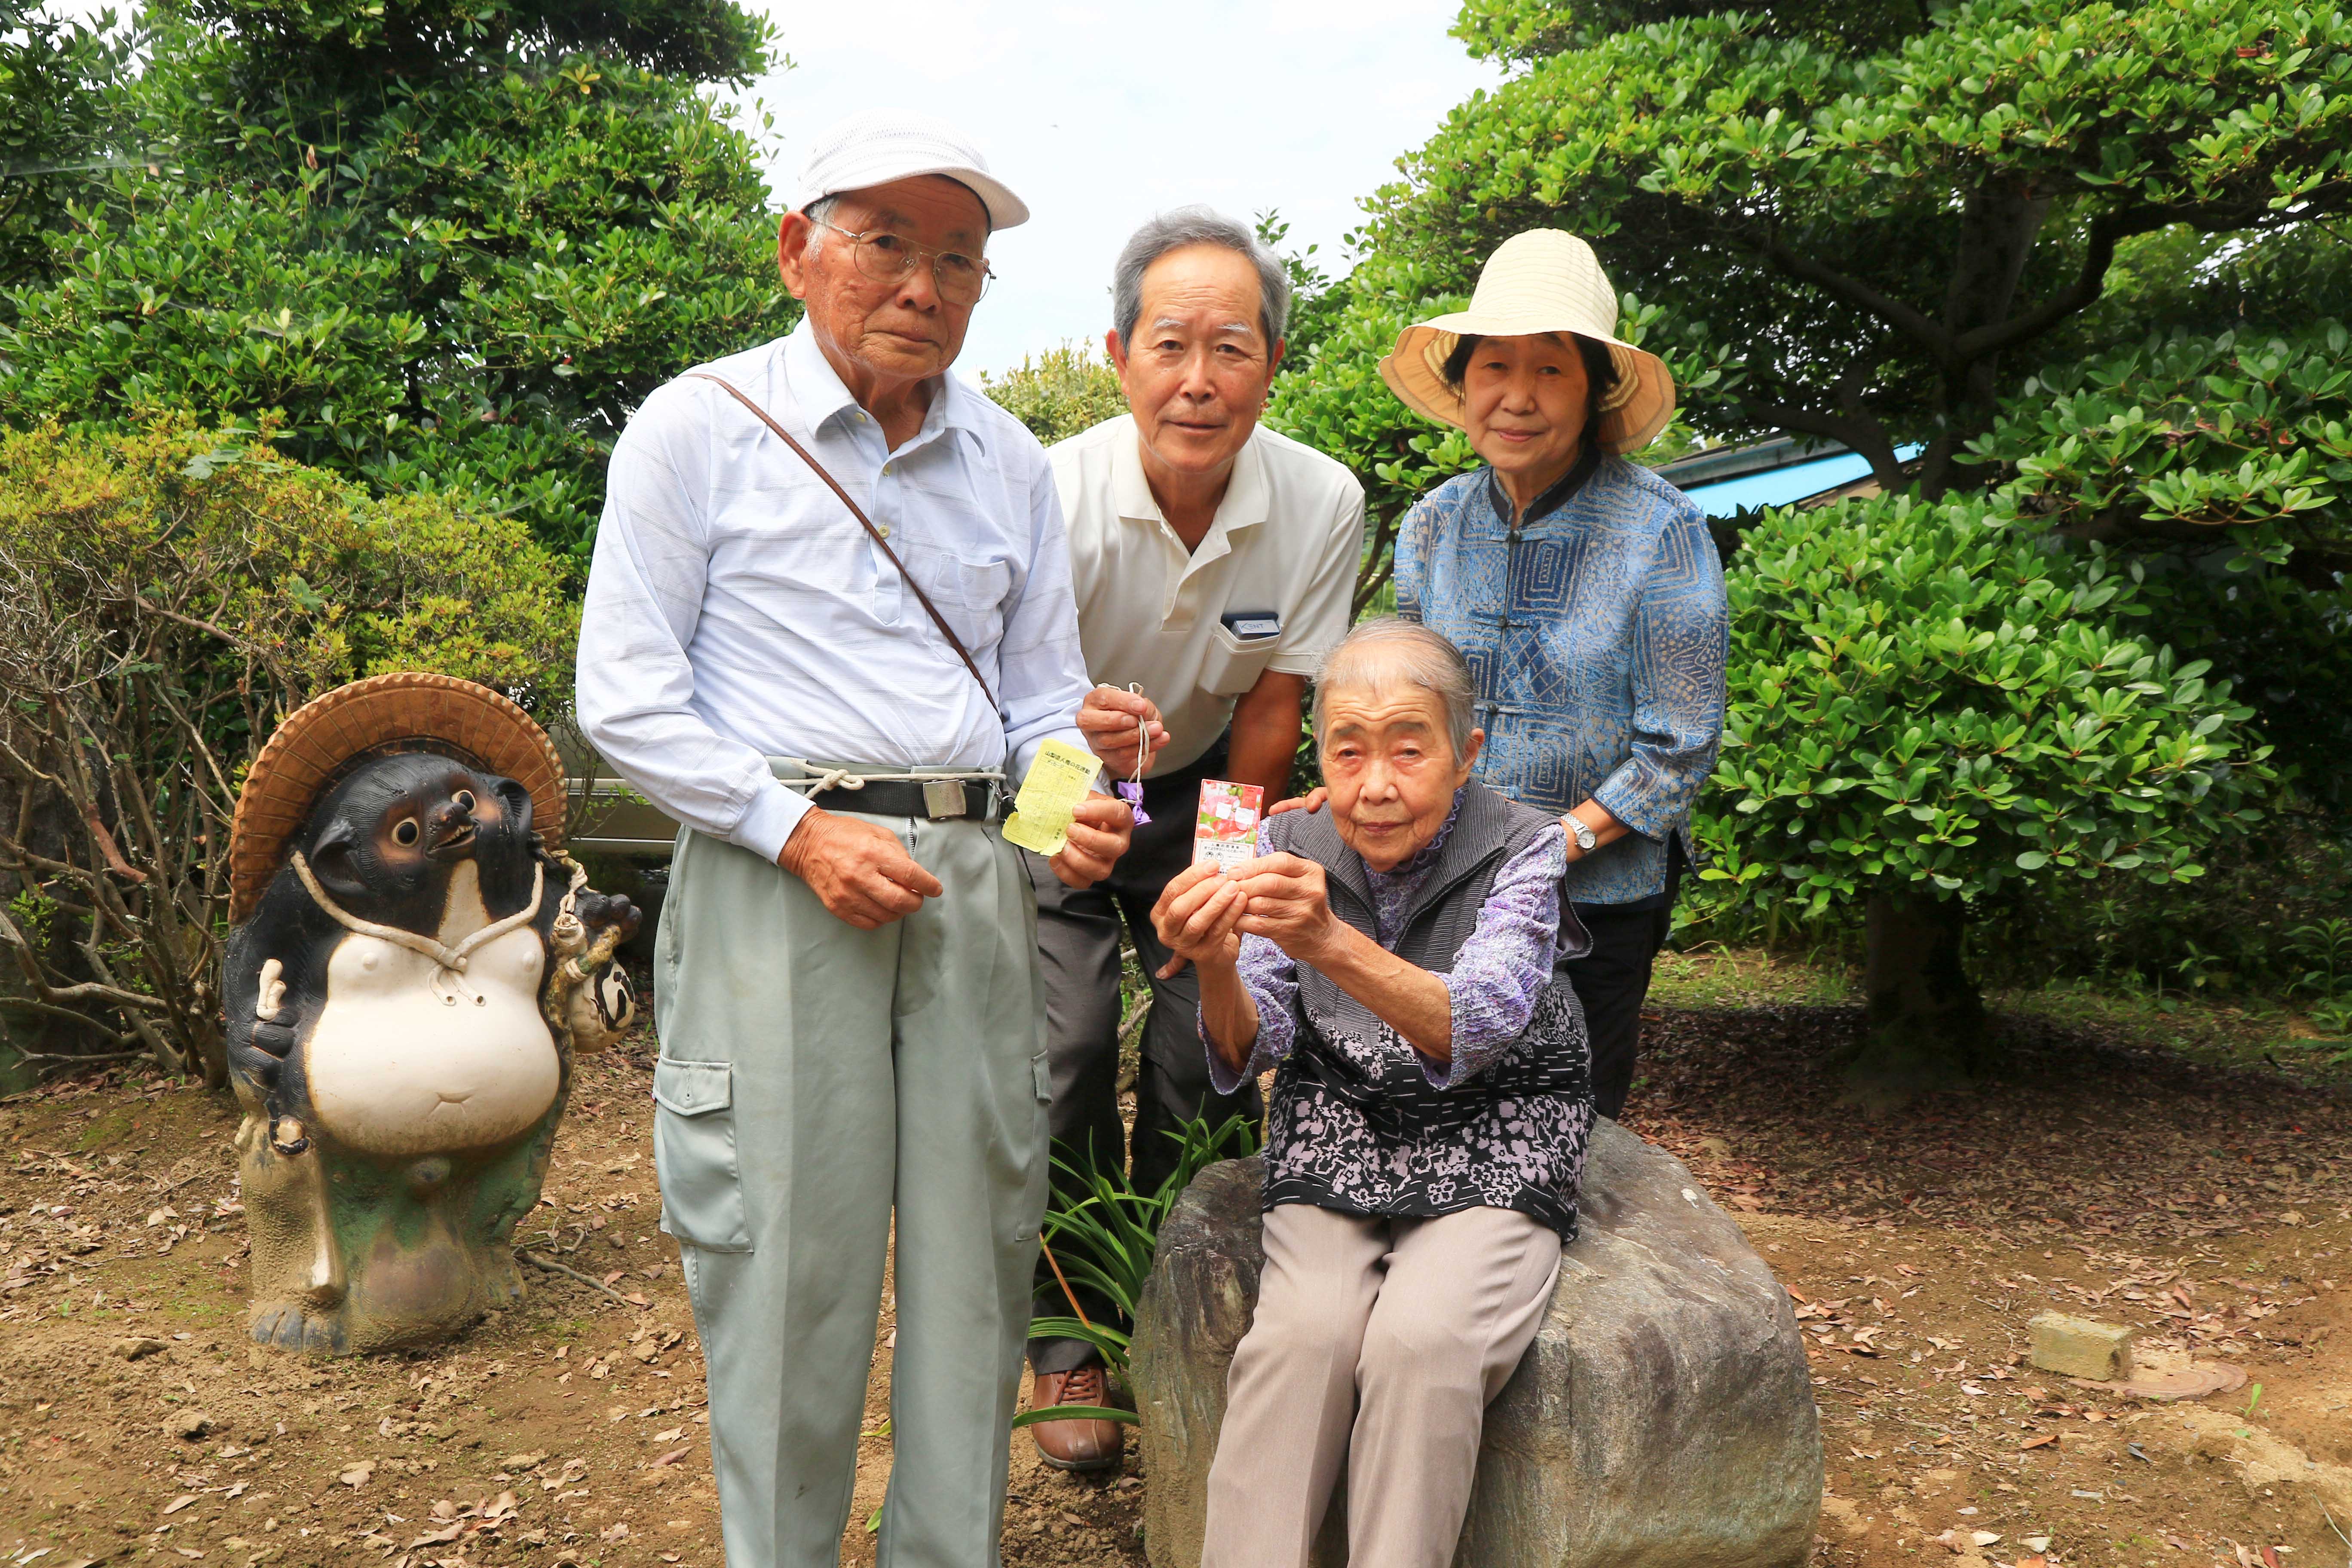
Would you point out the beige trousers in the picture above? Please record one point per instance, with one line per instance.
(1380, 1341)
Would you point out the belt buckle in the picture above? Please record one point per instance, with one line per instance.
(944, 797)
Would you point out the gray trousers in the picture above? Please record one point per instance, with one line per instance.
(812, 1077)
(1380, 1342)
(1078, 942)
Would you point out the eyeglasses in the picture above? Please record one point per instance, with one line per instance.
(886, 258)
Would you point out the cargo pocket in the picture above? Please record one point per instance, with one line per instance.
(694, 1155)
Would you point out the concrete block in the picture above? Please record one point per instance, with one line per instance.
(2078, 1347)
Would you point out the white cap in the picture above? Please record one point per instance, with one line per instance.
(876, 146)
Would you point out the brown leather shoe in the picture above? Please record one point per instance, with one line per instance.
(1076, 1445)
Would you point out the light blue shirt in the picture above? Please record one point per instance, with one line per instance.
(736, 611)
(1596, 630)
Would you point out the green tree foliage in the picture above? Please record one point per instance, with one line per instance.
(440, 246)
(1058, 393)
(60, 124)
(2222, 463)
(166, 596)
(1514, 30)
(2182, 282)
(1869, 230)
(1929, 708)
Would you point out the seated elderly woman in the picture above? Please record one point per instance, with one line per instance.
(1393, 960)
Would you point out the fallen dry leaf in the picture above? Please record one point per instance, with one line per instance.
(177, 1503)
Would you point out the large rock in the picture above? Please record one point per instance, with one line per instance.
(1663, 1418)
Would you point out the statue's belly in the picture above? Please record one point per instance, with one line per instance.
(407, 1059)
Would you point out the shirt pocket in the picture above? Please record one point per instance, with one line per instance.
(695, 1158)
(1233, 662)
(969, 593)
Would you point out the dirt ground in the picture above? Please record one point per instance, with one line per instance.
(2211, 1208)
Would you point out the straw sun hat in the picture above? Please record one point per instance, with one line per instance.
(411, 711)
(1540, 281)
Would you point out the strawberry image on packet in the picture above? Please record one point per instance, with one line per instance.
(1225, 833)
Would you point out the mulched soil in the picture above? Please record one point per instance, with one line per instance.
(2089, 1175)
(569, 1431)
(2069, 1134)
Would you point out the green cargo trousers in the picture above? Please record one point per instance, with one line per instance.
(813, 1076)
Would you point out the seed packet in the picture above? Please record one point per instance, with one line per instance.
(1225, 833)
(1049, 797)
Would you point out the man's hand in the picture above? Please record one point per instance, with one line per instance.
(1197, 918)
(1289, 905)
(1116, 725)
(1100, 828)
(858, 870)
(1312, 800)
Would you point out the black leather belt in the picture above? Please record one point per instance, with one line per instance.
(935, 800)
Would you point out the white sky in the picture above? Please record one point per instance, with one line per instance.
(1100, 115)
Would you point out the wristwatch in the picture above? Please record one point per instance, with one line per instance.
(1585, 840)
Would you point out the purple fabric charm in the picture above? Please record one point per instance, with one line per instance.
(1133, 795)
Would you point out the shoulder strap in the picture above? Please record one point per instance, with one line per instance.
(872, 532)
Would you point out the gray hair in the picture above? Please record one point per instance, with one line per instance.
(1198, 225)
(819, 213)
(1389, 651)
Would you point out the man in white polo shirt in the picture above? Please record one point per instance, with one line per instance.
(1213, 561)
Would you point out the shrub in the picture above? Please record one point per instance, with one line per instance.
(165, 598)
(1059, 393)
(2220, 464)
(1927, 710)
(441, 246)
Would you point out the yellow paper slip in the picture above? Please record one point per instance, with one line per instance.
(1049, 797)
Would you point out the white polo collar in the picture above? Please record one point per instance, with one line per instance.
(1248, 502)
(822, 396)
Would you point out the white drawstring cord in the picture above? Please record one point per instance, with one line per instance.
(451, 960)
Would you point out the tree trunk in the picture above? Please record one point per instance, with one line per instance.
(1926, 1023)
(1998, 224)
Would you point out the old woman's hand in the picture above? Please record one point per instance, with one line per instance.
(1196, 917)
(1289, 904)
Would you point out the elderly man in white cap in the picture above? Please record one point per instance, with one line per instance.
(830, 610)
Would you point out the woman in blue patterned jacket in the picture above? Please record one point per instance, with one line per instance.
(1586, 593)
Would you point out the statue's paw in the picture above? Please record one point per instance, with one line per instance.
(602, 911)
(289, 1325)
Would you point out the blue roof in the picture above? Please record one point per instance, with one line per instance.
(1780, 486)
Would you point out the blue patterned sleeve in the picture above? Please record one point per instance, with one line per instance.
(1505, 963)
(1409, 571)
(1681, 639)
(1272, 980)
